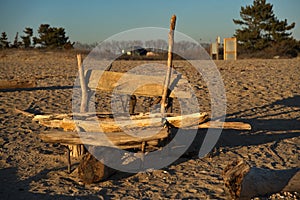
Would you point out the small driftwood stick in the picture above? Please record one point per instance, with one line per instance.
(245, 182)
(17, 84)
(169, 65)
(24, 112)
(225, 125)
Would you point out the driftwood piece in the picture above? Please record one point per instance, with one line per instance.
(169, 66)
(125, 83)
(78, 150)
(83, 85)
(245, 182)
(27, 114)
(17, 84)
(119, 139)
(90, 115)
(68, 124)
(177, 121)
(109, 124)
(225, 125)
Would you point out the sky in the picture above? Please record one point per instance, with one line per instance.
(96, 20)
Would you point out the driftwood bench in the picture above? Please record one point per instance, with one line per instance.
(167, 86)
(108, 82)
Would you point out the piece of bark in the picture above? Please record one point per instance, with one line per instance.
(245, 182)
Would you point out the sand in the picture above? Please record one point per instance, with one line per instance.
(264, 93)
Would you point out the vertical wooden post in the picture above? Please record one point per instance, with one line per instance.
(84, 93)
(78, 150)
(169, 65)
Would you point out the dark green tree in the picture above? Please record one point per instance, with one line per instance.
(51, 37)
(4, 43)
(259, 26)
(27, 37)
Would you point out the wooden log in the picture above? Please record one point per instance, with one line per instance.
(169, 66)
(17, 84)
(109, 125)
(119, 139)
(125, 83)
(138, 121)
(177, 121)
(91, 170)
(245, 182)
(225, 125)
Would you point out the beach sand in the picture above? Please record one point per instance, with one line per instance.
(264, 93)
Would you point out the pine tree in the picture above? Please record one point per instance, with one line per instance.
(51, 37)
(27, 38)
(4, 43)
(260, 27)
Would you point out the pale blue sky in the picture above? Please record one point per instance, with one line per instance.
(95, 20)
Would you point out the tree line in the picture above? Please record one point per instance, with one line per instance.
(48, 37)
(260, 34)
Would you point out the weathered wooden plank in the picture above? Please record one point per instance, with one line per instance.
(17, 84)
(109, 124)
(91, 115)
(138, 121)
(177, 121)
(126, 83)
(120, 139)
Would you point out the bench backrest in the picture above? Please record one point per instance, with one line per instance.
(126, 83)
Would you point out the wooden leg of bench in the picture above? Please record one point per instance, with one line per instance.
(143, 148)
(169, 107)
(132, 104)
(69, 159)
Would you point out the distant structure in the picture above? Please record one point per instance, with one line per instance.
(135, 50)
(230, 48)
(214, 49)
